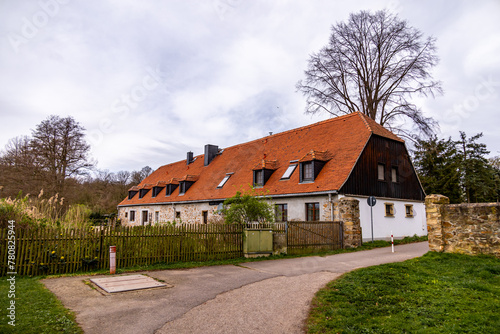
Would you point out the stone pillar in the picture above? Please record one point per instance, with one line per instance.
(349, 215)
(434, 210)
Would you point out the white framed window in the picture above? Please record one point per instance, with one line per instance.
(289, 171)
(224, 180)
(132, 215)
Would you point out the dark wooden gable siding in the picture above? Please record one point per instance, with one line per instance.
(364, 177)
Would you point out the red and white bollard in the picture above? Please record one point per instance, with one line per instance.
(392, 242)
(112, 259)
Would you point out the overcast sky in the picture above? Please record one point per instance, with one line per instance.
(151, 80)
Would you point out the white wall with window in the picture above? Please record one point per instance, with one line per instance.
(402, 217)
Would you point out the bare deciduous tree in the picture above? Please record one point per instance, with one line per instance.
(61, 149)
(18, 167)
(374, 63)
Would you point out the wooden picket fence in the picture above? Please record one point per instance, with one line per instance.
(40, 251)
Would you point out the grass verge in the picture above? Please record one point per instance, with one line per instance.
(37, 310)
(437, 293)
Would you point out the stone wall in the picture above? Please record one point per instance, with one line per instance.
(463, 228)
(348, 211)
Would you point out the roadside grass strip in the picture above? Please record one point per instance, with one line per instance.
(436, 293)
(37, 309)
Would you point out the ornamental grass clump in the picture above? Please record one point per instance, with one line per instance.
(33, 211)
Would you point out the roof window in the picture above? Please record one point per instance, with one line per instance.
(289, 171)
(224, 180)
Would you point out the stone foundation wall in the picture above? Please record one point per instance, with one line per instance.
(463, 228)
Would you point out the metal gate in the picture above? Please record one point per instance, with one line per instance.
(310, 237)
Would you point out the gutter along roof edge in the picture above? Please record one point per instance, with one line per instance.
(315, 193)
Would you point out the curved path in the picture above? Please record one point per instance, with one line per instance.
(255, 297)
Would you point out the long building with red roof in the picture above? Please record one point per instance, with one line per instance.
(304, 171)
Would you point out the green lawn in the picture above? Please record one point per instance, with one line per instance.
(437, 293)
(37, 309)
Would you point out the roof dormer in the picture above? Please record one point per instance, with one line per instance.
(186, 182)
(310, 165)
(263, 171)
(132, 191)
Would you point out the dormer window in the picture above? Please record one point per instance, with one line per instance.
(261, 176)
(311, 164)
(184, 186)
(158, 187)
(132, 191)
(307, 171)
(186, 182)
(258, 178)
(263, 171)
(169, 189)
(156, 191)
(143, 192)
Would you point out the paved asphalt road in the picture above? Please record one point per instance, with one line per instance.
(255, 297)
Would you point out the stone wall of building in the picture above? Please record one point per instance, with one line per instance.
(348, 211)
(167, 213)
(463, 228)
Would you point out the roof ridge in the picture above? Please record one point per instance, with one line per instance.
(364, 120)
(333, 119)
(304, 127)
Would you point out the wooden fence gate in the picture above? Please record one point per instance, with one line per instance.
(309, 237)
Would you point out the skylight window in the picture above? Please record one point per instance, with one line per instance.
(289, 171)
(224, 180)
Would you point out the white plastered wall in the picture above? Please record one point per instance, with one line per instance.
(400, 225)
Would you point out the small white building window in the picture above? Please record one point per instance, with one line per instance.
(409, 210)
(132, 215)
(389, 209)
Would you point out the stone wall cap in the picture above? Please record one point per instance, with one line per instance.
(436, 199)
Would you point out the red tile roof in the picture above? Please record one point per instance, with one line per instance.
(339, 141)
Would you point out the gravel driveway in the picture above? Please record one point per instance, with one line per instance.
(257, 297)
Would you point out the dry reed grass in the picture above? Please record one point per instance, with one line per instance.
(39, 211)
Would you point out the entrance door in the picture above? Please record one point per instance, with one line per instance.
(144, 220)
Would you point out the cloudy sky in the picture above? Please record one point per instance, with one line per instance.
(151, 80)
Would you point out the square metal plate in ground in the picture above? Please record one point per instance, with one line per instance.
(126, 283)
